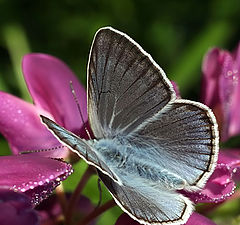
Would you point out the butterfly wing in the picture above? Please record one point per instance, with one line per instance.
(125, 85)
(149, 205)
(79, 146)
(129, 95)
(185, 140)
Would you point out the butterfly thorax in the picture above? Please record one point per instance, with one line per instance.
(127, 160)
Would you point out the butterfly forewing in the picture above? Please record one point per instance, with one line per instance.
(79, 146)
(125, 85)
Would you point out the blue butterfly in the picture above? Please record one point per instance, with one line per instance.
(148, 144)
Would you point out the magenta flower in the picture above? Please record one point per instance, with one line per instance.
(221, 89)
(37, 175)
(16, 208)
(195, 219)
(48, 80)
(220, 185)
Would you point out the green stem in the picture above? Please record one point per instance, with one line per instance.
(76, 194)
(61, 197)
(97, 212)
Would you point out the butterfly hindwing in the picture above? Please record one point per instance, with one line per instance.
(185, 140)
(149, 205)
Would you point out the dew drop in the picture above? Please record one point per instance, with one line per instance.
(229, 73)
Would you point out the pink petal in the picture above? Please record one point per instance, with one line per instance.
(234, 117)
(226, 91)
(211, 71)
(124, 219)
(219, 187)
(197, 219)
(231, 158)
(236, 54)
(48, 80)
(16, 208)
(221, 89)
(35, 176)
(20, 124)
(176, 89)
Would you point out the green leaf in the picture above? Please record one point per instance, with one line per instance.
(17, 45)
(187, 69)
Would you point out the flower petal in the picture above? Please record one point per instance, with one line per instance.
(20, 124)
(176, 89)
(234, 118)
(197, 219)
(221, 89)
(124, 219)
(35, 176)
(16, 208)
(48, 80)
(211, 72)
(231, 158)
(219, 187)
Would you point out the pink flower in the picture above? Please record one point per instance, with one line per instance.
(220, 185)
(16, 208)
(48, 80)
(37, 175)
(195, 219)
(221, 89)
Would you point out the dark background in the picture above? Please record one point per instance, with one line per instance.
(176, 33)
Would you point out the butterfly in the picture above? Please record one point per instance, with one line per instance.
(148, 144)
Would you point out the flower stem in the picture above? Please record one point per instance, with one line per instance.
(61, 197)
(98, 211)
(76, 194)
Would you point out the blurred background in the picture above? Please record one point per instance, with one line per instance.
(176, 33)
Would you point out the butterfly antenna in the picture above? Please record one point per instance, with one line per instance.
(41, 150)
(79, 109)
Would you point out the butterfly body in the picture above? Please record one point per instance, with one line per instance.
(148, 144)
(126, 160)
